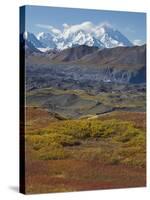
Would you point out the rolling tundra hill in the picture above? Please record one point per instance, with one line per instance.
(74, 53)
(128, 57)
(119, 56)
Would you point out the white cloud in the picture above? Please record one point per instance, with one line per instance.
(43, 26)
(138, 42)
(105, 24)
(99, 30)
(65, 26)
(68, 30)
(71, 29)
(50, 28)
(87, 26)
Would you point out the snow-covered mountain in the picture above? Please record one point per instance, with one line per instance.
(79, 37)
(32, 39)
(86, 33)
(47, 39)
(111, 37)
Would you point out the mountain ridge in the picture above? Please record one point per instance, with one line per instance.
(105, 36)
(118, 56)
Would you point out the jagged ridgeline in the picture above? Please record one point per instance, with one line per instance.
(83, 66)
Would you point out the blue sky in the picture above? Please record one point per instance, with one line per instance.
(131, 24)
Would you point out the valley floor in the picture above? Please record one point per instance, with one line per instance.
(101, 152)
(77, 175)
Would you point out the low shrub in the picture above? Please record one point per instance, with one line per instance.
(55, 139)
(54, 154)
(115, 141)
(128, 134)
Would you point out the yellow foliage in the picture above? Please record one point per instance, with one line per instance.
(124, 142)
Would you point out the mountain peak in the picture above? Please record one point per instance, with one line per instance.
(86, 33)
(107, 26)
